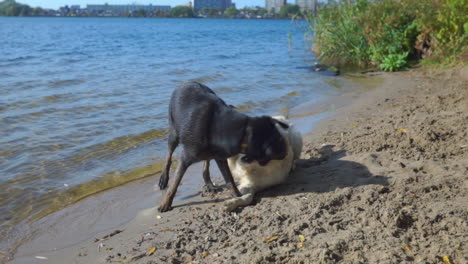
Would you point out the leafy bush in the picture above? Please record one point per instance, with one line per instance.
(181, 11)
(231, 12)
(12, 8)
(394, 62)
(288, 11)
(443, 28)
(386, 33)
(338, 40)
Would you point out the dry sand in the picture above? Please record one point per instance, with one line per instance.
(385, 180)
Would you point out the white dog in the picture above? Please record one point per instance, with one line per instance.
(252, 178)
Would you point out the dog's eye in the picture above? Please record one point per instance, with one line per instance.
(246, 159)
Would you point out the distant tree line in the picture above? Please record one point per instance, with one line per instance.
(13, 8)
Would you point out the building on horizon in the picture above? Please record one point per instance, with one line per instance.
(218, 4)
(274, 6)
(121, 9)
(307, 5)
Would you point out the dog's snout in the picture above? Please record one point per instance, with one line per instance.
(263, 162)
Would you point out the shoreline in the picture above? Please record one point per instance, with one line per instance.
(33, 238)
(341, 204)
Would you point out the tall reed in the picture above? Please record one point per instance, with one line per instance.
(388, 33)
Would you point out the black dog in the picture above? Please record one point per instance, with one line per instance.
(210, 129)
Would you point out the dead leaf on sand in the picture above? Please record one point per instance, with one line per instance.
(301, 238)
(301, 241)
(119, 260)
(151, 251)
(271, 239)
(446, 260)
(205, 254)
(139, 256)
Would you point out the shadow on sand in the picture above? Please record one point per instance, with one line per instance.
(324, 172)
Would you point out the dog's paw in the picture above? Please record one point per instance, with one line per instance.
(164, 208)
(212, 189)
(232, 204)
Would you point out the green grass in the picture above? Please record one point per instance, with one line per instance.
(389, 33)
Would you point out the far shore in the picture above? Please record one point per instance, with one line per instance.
(382, 180)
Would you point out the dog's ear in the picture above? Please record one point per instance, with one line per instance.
(281, 123)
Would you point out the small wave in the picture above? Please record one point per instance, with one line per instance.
(223, 56)
(207, 79)
(180, 72)
(72, 53)
(63, 83)
(285, 101)
(70, 60)
(6, 74)
(54, 98)
(15, 217)
(21, 58)
(77, 193)
(119, 145)
(18, 61)
(32, 204)
(248, 106)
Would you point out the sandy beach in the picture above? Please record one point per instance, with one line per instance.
(384, 180)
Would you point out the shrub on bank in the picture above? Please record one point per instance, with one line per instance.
(388, 33)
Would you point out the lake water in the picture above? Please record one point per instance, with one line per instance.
(83, 101)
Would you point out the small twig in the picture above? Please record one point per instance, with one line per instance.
(141, 241)
(281, 216)
(108, 236)
(137, 256)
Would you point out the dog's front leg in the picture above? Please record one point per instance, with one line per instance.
(232, 204)
(180, 171)
(209, 186)
(172, 143)
(246, 199)
(224, 168)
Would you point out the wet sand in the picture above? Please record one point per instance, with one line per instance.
(383, 180)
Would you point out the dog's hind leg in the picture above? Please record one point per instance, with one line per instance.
(172, 143)
(209, 186)
(185, 162)
(224, 168)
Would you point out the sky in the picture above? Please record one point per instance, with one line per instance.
(58, 3)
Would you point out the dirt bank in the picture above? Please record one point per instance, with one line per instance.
(383, 181)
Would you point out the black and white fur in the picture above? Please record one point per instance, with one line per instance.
(252, 178)
(210, 129)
